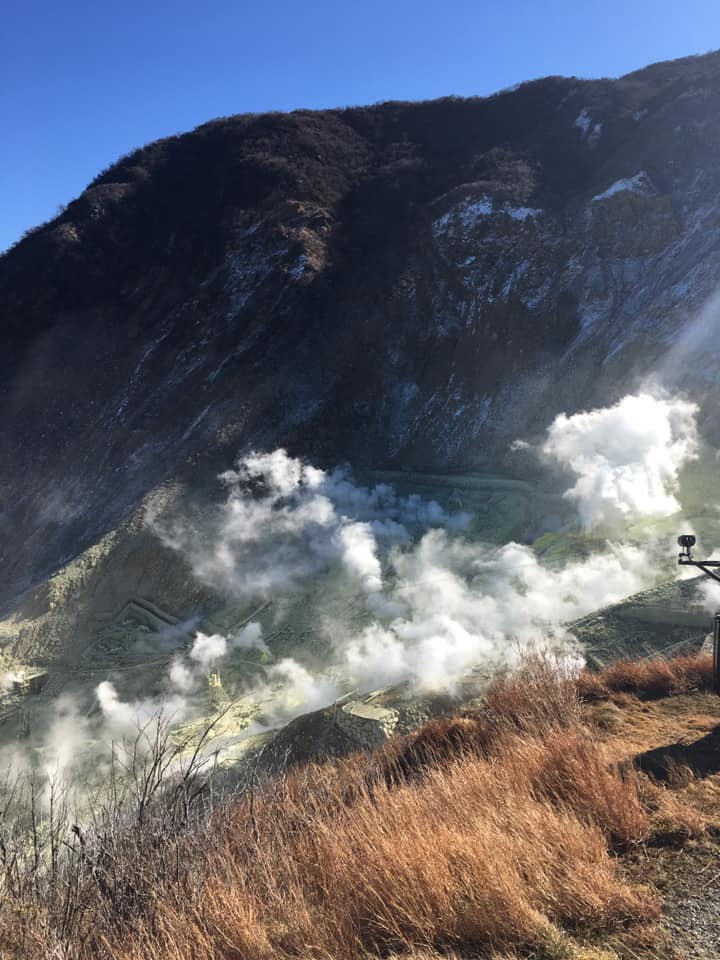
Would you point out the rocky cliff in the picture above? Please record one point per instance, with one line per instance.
(405, 286)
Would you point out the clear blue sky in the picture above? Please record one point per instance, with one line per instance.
(84, 81)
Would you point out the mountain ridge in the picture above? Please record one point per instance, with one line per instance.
(402, 286)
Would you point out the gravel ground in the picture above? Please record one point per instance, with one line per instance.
(687, 881)
(691, 903)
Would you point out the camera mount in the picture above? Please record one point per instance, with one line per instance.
(686, 542)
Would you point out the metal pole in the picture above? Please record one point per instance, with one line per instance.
(709, 568)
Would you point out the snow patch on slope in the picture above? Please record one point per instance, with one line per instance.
(640, 184)
(297, 271)
(582, 121)
(588, 130)
(521, 213)
(466, 214)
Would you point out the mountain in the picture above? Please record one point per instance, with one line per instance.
(406, 286)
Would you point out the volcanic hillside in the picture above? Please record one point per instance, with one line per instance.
(407, 285)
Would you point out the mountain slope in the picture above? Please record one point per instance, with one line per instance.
(404, 285)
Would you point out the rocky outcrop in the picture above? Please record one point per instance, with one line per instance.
(666, 620)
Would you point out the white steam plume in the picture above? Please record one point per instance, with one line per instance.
(626, 457)
(293, 690)
(710, 595)
(182, 678)
(435, 605)
(65, 739)
(461, 605)
(9, 679)
(121, 718)
(465, 602)
(285, 521)
(207, 650)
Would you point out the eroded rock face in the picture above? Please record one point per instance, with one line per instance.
(402, 286)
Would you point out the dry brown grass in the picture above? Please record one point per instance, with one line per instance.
(483, 853)
(648, 679)
(489, 833)
(493, 834)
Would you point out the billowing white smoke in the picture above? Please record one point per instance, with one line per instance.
(448, 605)
(121, 717)
(126, 719)
(207, 650)
(181, 676)
(436, 605)
(285, 521)
(626, 457)
(464, 602)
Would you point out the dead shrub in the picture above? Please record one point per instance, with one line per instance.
(693, 673)
(541, 694)
(651, 679)
(590, 687)
(672, 818)
(648, 679)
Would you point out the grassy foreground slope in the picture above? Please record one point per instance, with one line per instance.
(523, 828)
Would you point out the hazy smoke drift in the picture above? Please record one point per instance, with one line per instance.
(626, 457)
(438, 604)
(464, 602)
(285, 521)
(696, 348)
(208, 649)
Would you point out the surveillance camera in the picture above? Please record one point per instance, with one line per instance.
(686, 541)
